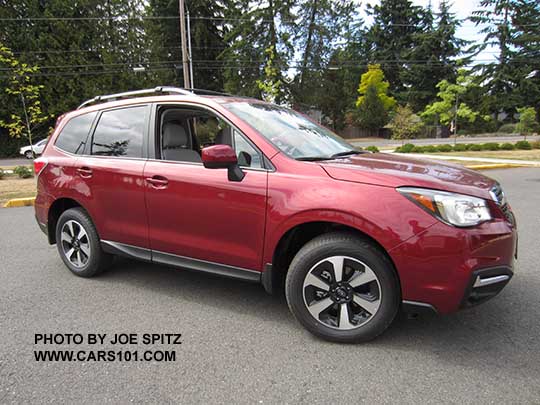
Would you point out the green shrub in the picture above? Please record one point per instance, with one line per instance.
(23, 172)
(525, 145)
(507, 129)
(469, 145)
(2, 174)
(460, 147)
(430, 148)
(475, 147)
(491, 146)
(535, 145)
(444, 148)
(407, 148)
(507, 146)
(417, 149)
(372, 148)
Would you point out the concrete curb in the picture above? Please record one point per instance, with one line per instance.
(495, 166)
(20, 202)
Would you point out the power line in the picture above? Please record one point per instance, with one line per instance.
(223, 19)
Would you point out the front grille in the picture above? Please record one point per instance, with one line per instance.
(498, 196)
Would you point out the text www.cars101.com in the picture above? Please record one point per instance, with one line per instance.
(105, 355)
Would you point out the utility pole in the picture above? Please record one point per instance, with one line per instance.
(183, 37)
(455, 119)
(189, 50)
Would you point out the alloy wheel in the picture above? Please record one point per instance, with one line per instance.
(75, 243)
(342, 292)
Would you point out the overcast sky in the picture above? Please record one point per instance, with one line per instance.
(463, 9)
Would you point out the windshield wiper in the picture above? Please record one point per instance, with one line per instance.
(346, 153)
(335, 155)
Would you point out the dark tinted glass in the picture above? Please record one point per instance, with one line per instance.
(120, 132)
(73, 136)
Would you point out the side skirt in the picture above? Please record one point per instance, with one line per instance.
(181, 261)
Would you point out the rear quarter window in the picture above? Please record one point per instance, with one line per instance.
(73, 136)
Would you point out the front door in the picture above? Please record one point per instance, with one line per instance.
(198, 213)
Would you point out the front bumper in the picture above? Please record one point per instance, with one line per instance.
(451, 268)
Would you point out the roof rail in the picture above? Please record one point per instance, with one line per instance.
(127, 94)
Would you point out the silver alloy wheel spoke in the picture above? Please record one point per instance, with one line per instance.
(69, 253)
(69, 225)
(65, 237)
(85, 249)
(81, 234)
(319, 306)
(344, 320)
(337, 264)
(362, 278)
(79, 258)
(315, 281)
(370, 306)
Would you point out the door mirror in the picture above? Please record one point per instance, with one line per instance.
(222, 157)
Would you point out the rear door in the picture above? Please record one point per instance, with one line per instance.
(110, 173)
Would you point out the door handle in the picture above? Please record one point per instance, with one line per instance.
(158, 182)
(84, 172)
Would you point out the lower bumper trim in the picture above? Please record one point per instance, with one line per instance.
(418, 308)
(486, 284)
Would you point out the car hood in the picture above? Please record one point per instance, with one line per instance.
(394, 170)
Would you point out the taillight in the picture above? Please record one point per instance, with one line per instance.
(39, 165)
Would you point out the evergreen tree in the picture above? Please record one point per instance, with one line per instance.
(394, 33)
(434, 58)
(338, 92)
(511, 25)
(207, 29)
(372, 113)
(321, 25)
(254, 28)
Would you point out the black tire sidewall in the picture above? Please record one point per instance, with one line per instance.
(93, 266)
(343, 245)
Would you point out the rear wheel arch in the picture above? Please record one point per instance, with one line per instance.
(55, 210)
(296, 237)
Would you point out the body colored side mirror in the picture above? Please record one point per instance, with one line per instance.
(222, 157)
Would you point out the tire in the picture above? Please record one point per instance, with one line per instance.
(28, 154)
(82, 255)
(355, 307)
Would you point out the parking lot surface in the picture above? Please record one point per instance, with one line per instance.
(240, 345)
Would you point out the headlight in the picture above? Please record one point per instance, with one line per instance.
(455, 209)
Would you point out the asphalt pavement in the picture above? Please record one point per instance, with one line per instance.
(15, 162)
(240, 345)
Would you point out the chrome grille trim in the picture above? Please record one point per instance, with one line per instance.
(497, 195)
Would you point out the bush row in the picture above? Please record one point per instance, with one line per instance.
(24, 172)
(464, 147)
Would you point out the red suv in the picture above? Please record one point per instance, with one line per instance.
(251, 190)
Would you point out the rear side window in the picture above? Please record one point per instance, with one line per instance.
(120, 132)
(74, 134)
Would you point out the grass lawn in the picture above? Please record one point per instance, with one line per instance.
(499, 154)
(14, 187)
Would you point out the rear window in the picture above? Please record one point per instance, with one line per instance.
(120, 132)
(74, 134)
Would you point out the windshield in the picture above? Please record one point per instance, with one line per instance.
(291, 132)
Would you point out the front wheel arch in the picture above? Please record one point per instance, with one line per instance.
(295, 238)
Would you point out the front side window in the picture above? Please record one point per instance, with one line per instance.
(74, 134)
(120, 133)
(291, 132)
(185, 131)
